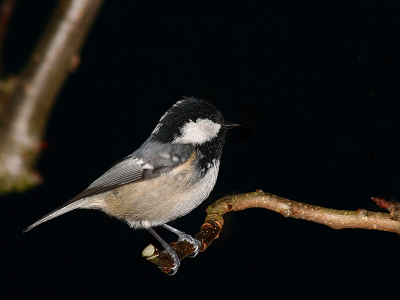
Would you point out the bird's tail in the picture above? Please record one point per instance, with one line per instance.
(66, 207)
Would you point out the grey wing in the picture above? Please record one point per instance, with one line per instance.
(130, 169)
(151, 161)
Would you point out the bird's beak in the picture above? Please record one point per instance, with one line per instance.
(230, 125)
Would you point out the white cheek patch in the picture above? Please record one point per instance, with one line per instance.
(199, 132)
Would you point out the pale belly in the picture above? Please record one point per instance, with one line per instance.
(157, 201)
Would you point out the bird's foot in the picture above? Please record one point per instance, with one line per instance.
(194, 242)
(182, 236)
(168, 250)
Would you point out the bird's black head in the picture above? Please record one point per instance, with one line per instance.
(191, 121)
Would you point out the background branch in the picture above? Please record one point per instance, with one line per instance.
(28, 109)
(210, 230)
(6, 11)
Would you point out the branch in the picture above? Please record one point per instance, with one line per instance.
(39, 83)
(210, 230)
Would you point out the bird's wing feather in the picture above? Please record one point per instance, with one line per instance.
(126, 171)
(139, 167)
(130, 169)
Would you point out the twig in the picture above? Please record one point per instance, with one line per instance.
(391, 205)
(39, 83)
(209, 231)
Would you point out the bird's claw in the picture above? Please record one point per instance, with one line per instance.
(173, 271)
(194, 242)
(182, 236)
(175, 258)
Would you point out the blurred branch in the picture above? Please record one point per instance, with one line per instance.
(26, 113)
(6, 11)
(210, 230)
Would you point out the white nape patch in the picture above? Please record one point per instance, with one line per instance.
(178, 103)
(157, 127)
(147, 166)
(175, 159)
(199, 132)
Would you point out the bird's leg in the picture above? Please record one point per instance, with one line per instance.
(167, 249)
(185, 237)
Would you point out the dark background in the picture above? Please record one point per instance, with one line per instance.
(315, 85)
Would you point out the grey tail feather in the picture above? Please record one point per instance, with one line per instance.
(58, 212)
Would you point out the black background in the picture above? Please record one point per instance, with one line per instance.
(315, 85)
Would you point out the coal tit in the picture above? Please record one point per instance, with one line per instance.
(167, 177)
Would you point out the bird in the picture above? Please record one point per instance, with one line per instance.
(168, 176)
